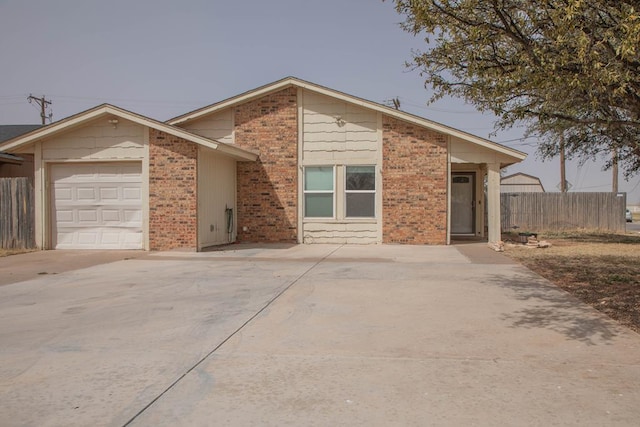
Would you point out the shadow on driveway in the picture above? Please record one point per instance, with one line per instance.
(557, 310)
(27, 266)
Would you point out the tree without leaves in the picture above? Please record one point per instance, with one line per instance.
(560, 66)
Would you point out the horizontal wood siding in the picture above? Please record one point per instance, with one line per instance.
(326, 138)
(340, 232)
(336, 133)
(218, 127)
(536, 212)
(17, 214)
(98, 140)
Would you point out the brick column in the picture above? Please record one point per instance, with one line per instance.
(173, 214)
(267, 188)
(414, 178)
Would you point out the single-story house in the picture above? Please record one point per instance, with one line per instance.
(290, 161)
(521, 182)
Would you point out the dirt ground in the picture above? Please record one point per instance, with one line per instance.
(7, 252)
(603, 270)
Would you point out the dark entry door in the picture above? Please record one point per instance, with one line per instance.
(462, 203)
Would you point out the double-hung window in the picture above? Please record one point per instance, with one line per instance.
(318, 192)
(360, 191)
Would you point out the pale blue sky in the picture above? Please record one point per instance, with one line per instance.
(163, 58)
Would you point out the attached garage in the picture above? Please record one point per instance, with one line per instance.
(96, 205)
(108, 178)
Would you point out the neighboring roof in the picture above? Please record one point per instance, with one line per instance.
(10, 158)
(295, 82)
(505, 180)
(107, 109)
(520, 174)
(11, 131)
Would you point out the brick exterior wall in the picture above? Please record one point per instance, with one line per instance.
(414, 182)
(268, 189)
(172, 192)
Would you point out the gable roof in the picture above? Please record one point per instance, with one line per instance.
(295, 82)
(111, 110)
(8, 132)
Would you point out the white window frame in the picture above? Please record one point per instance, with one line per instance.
(305, 192)
(346, 192)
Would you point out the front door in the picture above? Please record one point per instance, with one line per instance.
(462, 203)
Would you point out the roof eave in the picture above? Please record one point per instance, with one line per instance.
(10, 159)
(106, 109)
(401, 115)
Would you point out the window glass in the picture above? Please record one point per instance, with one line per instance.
(318, 178)
(360, 192)
(318, 192)
(361, 178)
(361, 205)
(318, 205)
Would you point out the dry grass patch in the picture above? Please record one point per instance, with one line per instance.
(603, 270)
(7, 252)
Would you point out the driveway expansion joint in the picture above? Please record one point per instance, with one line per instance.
(234, 333)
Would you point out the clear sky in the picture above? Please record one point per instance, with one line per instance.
(162, 58)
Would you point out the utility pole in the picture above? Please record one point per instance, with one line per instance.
(563, 173)
(43, 103)
(393, 102)
(614, 186)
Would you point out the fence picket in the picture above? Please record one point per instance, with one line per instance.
(17, 214)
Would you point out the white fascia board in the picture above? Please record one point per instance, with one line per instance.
(106, 109)
(239, 99)
(52, 129)
(420, 121)
(227, 149)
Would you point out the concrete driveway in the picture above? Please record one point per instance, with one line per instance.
(311, 335)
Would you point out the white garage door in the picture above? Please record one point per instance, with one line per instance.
(97, 205)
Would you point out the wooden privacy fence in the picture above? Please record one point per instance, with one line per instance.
(535, 212)
(16, 214)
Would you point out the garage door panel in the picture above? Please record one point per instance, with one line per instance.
(87, 237)
(111, 215)
(97, 206)
(87, 217)
(132, 216)
(99, 238)
(131, 193)
(109, 193)
(62, 194)
(85, 193)
(65, 216)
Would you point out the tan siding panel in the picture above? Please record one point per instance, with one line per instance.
(218, 126)
(341, 141)
(324, 137)
(340, 232)
(98, 140)
(216, 191)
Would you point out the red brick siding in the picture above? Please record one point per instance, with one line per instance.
(267, 189)
(172, 192)
(414, 182)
